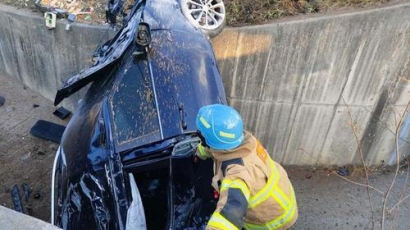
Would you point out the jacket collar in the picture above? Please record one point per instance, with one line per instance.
(247, 147)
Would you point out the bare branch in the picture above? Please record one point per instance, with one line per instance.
(357, 183)
(385, 125)
(398, 127)
(360, 150)
(403, 191)
(400, 201)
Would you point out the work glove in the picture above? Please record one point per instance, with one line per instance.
(202, 148)
(202, 152)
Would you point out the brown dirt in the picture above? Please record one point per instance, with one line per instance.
(239, 12)
(24, 158)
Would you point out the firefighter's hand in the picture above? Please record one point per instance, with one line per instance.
(202, 152)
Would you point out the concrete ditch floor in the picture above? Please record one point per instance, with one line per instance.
(325, 200)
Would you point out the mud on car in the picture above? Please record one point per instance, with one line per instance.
(126, 159)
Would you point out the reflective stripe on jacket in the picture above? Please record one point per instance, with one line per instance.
(255, 191)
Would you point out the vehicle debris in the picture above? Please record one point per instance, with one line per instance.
(26, 156)
(143, 37)
(59, 13)
(26, 191)
(2, 101)
(106, 57)
(135, 213)
(62, 113)
(50, 19)
(70, 19)
(15, 195)
(37, 195)
(343, 171)
(114, 8)
(48, 131)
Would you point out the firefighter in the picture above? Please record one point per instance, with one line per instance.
(254, 191)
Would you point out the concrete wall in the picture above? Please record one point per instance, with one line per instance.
(292, 80)
(12, 220)
(40, 58)
(294, 83)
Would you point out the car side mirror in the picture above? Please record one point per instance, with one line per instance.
(143, 37)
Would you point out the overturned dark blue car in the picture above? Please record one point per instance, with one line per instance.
(126, 159)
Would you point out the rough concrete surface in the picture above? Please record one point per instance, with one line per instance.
(12, 220)
(325, 201)
(329, 202)
(24, 158)
(43, 59)
(292, 82)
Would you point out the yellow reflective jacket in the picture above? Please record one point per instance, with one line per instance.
(255, 192)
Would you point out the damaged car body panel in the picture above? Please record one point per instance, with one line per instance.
(107, 54)
(138, 118)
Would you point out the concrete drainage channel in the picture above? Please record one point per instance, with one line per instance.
(307, 75)
(292, 81)
(325, 199)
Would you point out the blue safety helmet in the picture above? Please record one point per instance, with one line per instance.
(221, 126)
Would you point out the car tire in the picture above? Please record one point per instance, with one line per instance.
(206, 15)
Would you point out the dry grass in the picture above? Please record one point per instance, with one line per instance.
(240, 12)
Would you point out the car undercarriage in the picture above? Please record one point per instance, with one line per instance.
(129, 147)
